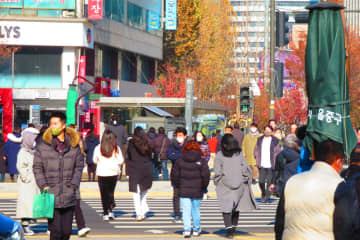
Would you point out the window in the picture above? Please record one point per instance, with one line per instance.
(110, 63)
(114, 10)
(135, 16)
(129, 67)
(38, 68)
(5, 72)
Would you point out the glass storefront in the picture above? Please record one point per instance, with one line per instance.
(34, 67)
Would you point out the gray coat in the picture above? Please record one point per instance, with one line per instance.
(233, 179)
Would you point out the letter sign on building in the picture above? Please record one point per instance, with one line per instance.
(95, 10)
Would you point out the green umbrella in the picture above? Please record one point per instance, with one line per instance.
(326, 79)
(72, 97)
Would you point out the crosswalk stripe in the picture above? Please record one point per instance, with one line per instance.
(202, 226)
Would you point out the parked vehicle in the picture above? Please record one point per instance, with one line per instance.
(10, 229)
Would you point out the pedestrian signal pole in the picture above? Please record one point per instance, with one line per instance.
(272, 56)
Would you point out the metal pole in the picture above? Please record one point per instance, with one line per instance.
(266, 43)
(272, 55)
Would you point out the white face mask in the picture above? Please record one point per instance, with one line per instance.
(199, 138)
(180, 139)
(253, 130)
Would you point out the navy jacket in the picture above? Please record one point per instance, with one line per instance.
(175, 151)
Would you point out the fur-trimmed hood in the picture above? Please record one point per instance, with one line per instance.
(73, 134)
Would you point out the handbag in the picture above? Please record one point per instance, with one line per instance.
(43, 206)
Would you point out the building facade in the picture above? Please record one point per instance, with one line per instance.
(48, 38)
(352, 14)
(250, 45)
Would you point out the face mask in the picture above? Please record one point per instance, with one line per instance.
(253, 130)
(180, 139)
(267, 134)
(199, 138)
(56, 131)
(278, 136)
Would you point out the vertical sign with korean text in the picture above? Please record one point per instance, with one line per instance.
(95, 9)
(82, 69)
(153, 21)
(171, 15)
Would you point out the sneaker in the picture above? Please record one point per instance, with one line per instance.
(106, 218)
(140, 218)
(229, 233)
(177, 219)
(28, 231)
(197, 233)
(187, 234)
(111, 216)
(48, 232)
(205, 197)
(83, 232)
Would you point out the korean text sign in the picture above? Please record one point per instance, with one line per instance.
(95, 9)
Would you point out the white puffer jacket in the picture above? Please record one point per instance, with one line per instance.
(309, 204)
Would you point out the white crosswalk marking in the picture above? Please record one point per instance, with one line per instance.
(160, 215)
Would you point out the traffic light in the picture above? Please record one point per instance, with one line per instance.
(244, 99)
(279, 79)
(282, 29)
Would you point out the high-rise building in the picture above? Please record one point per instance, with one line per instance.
(251, 39)
(352, 14)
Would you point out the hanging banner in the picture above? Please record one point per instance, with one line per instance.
(153, 21)
(95, 9)
(171, 15)
(82, 69)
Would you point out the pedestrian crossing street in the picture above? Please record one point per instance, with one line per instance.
(159, 218)
(160, 215)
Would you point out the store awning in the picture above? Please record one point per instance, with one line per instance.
(158, 111)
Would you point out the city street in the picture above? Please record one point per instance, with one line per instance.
(258, 224)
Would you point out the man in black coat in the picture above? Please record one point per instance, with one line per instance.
(58, 166)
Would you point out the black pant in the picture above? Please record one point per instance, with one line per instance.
(60, 226)
(79, 216)
(91, 171)
(231, 219)
(176, 202)
(265, 178)
(107, 188)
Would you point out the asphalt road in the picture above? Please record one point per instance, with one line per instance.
(257, 224)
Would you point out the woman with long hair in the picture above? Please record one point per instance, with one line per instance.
(139, 170)
(233, 180)
(108, 158)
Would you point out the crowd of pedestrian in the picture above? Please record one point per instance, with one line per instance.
(52, 159)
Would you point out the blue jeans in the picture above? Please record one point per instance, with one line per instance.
(165, 170)
(190, 209)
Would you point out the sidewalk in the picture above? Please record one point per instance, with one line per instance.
(91, 190)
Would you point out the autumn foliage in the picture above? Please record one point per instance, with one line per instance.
(201, 48)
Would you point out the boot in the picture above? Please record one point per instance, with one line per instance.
(263, 191)
(229, 233)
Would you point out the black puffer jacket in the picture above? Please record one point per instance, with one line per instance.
(191, 174)
(60, 171)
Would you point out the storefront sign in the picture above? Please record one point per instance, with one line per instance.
(35, 115)
(6, 101)
(47, 34)
(46, 4)
(82, 69)
(171, 15)
(11, 3)
(95, 9)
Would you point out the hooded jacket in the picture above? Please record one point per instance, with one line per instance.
(61, 171)
(12, 148)
(191, 175)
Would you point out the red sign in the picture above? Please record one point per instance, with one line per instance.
(82, 69)
(6, 100)
(95, 9)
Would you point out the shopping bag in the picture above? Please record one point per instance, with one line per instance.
(43, 206)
